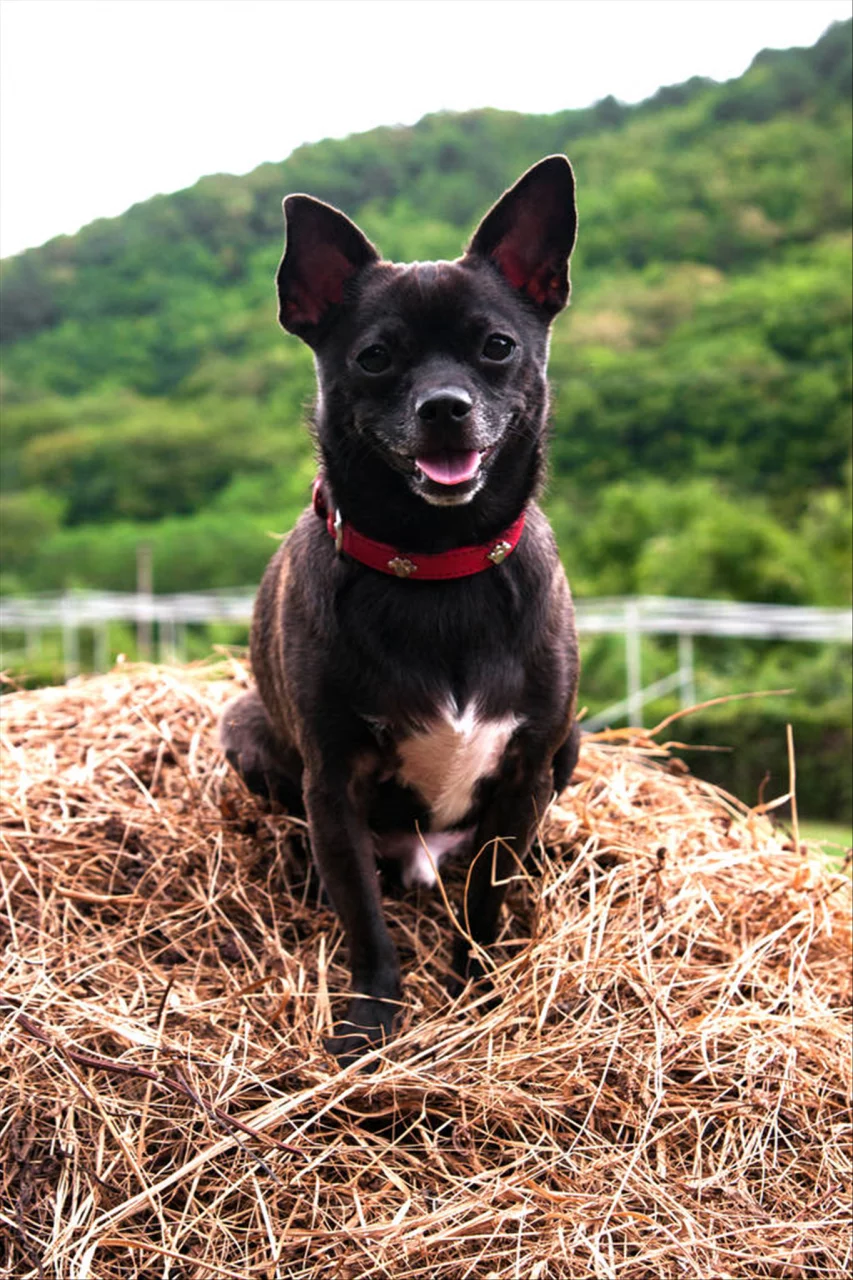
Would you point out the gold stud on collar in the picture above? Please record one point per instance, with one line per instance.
(402, 567)
(499, 552)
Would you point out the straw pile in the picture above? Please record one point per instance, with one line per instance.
(663, 1090)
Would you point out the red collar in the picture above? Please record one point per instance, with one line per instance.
(459, 563)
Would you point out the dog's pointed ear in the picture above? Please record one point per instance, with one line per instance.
(323, 251)
(530, 233)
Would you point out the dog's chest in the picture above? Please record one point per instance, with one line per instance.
(446, 759)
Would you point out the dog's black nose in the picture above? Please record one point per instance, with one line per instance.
(449, 406)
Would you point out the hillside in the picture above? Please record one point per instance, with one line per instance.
(146, 384)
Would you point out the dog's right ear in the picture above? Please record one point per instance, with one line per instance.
(323, 251)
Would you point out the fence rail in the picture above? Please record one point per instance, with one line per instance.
(658, 615)
(664, 615)
(632, 616)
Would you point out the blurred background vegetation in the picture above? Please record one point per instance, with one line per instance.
(702, 377)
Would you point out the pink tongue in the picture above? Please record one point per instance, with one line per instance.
(451, 466)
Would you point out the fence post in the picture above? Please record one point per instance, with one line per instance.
(686, 670)
(167, 647)
(633, 662)
(144, 592)
(70, 639)
(102, 646)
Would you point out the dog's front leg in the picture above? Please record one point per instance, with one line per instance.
(502, 841)
(343, 851)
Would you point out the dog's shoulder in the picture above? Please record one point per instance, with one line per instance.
(297, 578)
(293, 604)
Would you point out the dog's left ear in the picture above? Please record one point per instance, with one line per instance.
(530, 233)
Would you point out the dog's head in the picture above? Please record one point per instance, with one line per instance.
(433, 371)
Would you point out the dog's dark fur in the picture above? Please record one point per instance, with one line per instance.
(352, 665)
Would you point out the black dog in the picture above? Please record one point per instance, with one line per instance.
(413, 639)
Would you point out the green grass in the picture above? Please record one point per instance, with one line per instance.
(833, 838)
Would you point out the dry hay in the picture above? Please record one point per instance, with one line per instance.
(664, 1090)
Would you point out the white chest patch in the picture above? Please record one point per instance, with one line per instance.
(445, 761)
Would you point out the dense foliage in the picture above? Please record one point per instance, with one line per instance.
(702, 377)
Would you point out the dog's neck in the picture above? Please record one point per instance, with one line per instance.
(378, 502)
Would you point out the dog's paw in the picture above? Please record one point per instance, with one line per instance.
(468, 970)
(454, 986)
(368, 1025)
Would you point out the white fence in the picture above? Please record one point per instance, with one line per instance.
(660, 615)
(632, 617)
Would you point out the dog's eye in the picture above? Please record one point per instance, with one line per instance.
(375, 358)
(498, 347)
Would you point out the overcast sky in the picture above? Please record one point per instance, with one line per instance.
(106, 102)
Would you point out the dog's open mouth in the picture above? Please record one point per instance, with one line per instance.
(450, 466)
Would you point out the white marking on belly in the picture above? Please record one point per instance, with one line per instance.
(420, 863)
(445, 761)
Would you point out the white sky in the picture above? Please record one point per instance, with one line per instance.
(106, 102)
